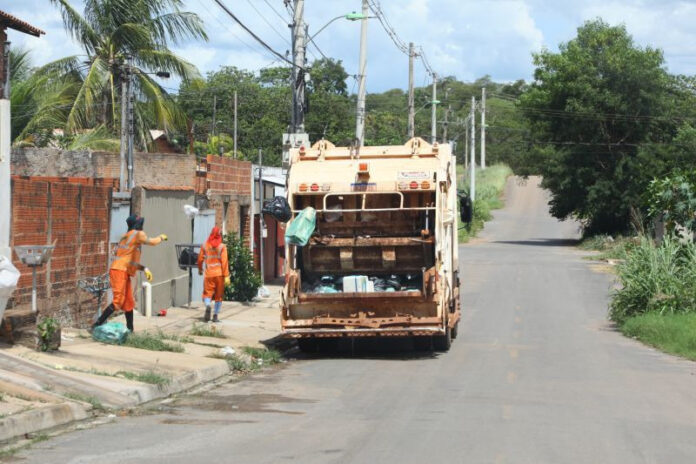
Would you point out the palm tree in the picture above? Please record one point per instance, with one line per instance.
(120, 36)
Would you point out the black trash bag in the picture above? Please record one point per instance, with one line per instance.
(279, 208)
(188, 257)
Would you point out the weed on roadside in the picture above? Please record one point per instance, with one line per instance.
(490, 183)
(96, 404)
(251, 359)
(12, 450)
(206, 330)
(153, 342)
(262, 356)
(150, 377)
(609, 247)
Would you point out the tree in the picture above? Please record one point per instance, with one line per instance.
(591, 108)
(117, 35)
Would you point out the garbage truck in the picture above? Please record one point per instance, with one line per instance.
(380, 255)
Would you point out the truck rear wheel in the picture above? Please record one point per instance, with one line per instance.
(455, 330)
(308, 345)
(443, 342)
(421, 343)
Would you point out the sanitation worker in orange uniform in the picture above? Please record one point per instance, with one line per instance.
(217, 272)
(125, 266)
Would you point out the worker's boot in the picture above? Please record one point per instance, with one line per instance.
(104, 316)
(129, 320)
(215, 318)
(206, 318)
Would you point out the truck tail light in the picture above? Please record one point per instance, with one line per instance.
(413, 185)
(363, 167)
(303, 188)
(303, 150)
(314, 187)
(425, 185)
(403, 185)
(325, 187)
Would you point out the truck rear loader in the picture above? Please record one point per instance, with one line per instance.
(383, 257)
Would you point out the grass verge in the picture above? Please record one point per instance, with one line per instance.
(609, 247)
(154, 342)
(490, 183)
(206, 330)
(671, 333)
(150, 377)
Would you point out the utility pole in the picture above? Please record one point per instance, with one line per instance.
(433, 122)
(298, 77)
(447, 113)
(360, 112)
(131, 129)
(483, 128)
(472, 163)
(212, 130)
(262, 227)
(466, 144)
(411, 97)
(124, 128)
(235, 125)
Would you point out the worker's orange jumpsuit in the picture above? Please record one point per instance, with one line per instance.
(125, 266)
(216, 270)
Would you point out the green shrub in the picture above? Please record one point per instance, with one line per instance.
(656, 279)
(609, 247)
(490, 183)
(245, 280)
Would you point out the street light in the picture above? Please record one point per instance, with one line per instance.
(354, 16)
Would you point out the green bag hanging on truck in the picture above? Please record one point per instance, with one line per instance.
(114, 333)
(302, 227)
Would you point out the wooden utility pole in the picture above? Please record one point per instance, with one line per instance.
(483, 128)
(235, 125)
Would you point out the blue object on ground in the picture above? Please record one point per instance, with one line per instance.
(114, 333)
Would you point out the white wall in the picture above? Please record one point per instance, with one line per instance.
(5, 190)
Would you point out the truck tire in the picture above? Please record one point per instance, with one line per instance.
(443, 342)
(308, 345)
(455, 330)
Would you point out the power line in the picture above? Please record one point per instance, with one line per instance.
(282, 18)
(231, 31)
(256, 37)
(268, 22)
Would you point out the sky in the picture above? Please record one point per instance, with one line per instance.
(463, 38)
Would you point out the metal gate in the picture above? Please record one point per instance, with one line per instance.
(202, 225)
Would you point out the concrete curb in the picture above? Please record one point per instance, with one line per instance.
(36, 420)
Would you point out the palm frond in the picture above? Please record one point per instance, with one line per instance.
(165, 60)
(78, 27)
(166, 112)
(177, 26)
(99, 138)
(20, 64)
(92, 86)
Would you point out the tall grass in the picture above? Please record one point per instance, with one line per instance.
(656, 279)
(673, 333)
(490, 183)
(609, 247)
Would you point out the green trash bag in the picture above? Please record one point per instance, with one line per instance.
(114, 333)
(302, 227)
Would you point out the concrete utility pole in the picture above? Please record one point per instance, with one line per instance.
(362, 74)
(235, 125)
(131, 129)
(124, 128)
(447, 113)
(298, 78)
(411, 96)
(466, 143)
(212, 129)
(483, 128)
(262, 226)
(433, 122)
(472, 163)
(5, 152)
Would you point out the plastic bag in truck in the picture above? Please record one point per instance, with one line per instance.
(302, 227)
(279, 208)
(9, 275)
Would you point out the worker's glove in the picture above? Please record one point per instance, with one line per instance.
(200, 272)
(227, 280)
(148, 274)
(164, 237)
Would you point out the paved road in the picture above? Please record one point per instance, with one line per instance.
(537, 376)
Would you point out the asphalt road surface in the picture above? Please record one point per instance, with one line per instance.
(537, 375)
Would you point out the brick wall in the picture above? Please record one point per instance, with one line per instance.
(228, 176)
(159, 169)
(77, 218)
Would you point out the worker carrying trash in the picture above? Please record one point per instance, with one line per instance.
(217, 272)
(125, 266)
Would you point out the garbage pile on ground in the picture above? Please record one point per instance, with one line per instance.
(364, 284)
